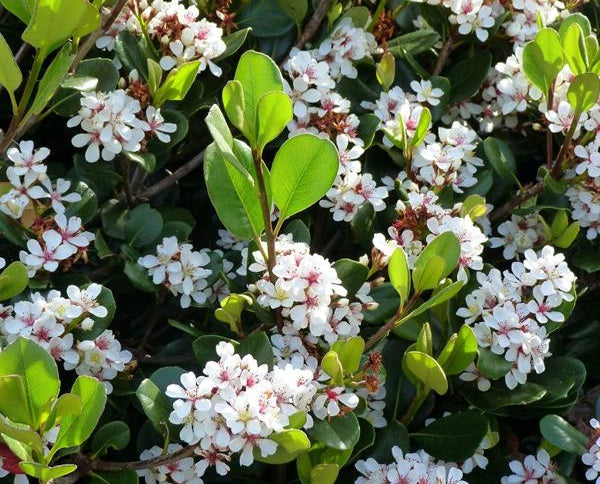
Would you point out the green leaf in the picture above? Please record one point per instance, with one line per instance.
(143, 225)
(575, 18)
(492, 365)
(295, 9)
(422, 128)
(45, 473)
(13, 403)
(204, 347)
(414, 43)
(258, 75)
(438, 297)
(232, 194)
(445, 246)
(427, 371)
(155, 404)
(393, 434)
(583, 92)
(76, 429)
(462, 353)
(331, 365)
(349, 353)
(274, 112)
(466, 76)
(399, 273)
(290, 444)
(177, 84)
(303, 170)
(54, 21)
(352, 274)
(155, 74)
(139, 277)
(52, 79)
(233, 102)
(146, 160)
(113, 434)
(453, 438)
(429, 274)
(233, 43)
(259, 346)
(10, 74)
(501, 158)
(499, 396)
(13, 280)
(340, 432)
(38, 370)
(574, 49)
(20, 8)
(385, 70)
(543, 59)
(324, 473)
(66, 404)
(86, 208)
(29, 438)
(130, 54)
(266, 19)
(563, 435)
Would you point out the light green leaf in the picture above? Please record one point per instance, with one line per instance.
(461, 354)
(295, 9)
(574, 49)
(155, 73)
(258, 75)
(177, 84)
(274, 112)
(399, 273)
(233, 102)
(341, 432)
(427, 371)
(20, 8)
(45, 473)
(10, 74)
(429, 274)
(324, 473)
(76, 429)
(438, 297)
(13, 403)
(385, 70)
(290, 444)
(303, 170)
(349, 353)
(445, 246)
(424, 342)
(583, 92)
(28, 438)
(422, 128)
(543, 59)
(52, 79)
(13, 280)
(332, 366)
(66, 404)
(38, 370)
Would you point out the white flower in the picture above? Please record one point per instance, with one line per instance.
(426, 93)
(155, 124)
(327, 404)
(48, 255)
(85, 301)
(533, 469)
(25, 159)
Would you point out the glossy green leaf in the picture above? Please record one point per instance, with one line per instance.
(574, 49)
(258, 75)
(155, 74)
(399, 273)
(463, 351)
(113, 435)
(290, 444)
(13, 403)
(543, 59)
(324, 473)
(76, 429)
(427, 371)
(501, 158)
(26, 437)
(130, 54)
(143, 225)
(259, 346)
(295, 9)
(438, 297)
(303, 170)
(22, 9)
(13, 280)
(233, 102)
(156, 405)
(575, 18)
(332, 366)
(233, 42)
(66, 404)
(52, 79)
(429, 274)
(492, 365)
(177, 84)
(232, 194)
(453, 438)
(467, 76)
(385, 70)
(499, 396)
(563, 435)
(352, 274)
(38, 371)
(349, 353)
(583, 92)
(10, 74)
(447, 247)
(422, 128)
(424, 342)
(340, 432)
(274, 112)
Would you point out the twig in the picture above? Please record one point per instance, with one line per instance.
(444, 54)
(166, 182)
(527, 193)
(313, 24)
(85, 465)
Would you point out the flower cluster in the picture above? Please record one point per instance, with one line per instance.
(308, 292)
(420, 220)
(51, 320)
(181, 269)
(182, 471)
(592, 457)
(180, 33)
(520, 234)
(113, 123)
(418, 467)
(38, 204)
(534, 469)
(235, 406)
(510, 311)
(318, 109)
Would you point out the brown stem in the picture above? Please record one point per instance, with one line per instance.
(166, 182)
(126, 181)
(313, 24)
(85, 465)
(443, 57)
(528, 192)
(389, 325)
